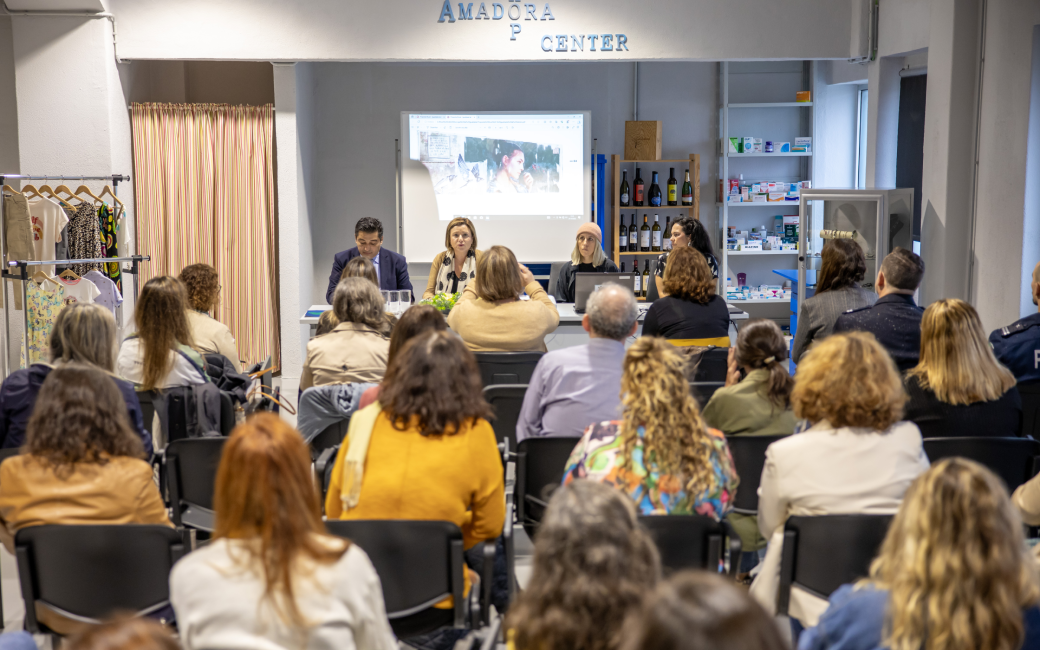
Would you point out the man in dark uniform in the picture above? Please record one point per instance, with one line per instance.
(895, 319)
(1017, 346)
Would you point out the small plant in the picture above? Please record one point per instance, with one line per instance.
(443, 301)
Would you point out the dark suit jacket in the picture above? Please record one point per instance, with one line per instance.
(895, 320)
(393, 271)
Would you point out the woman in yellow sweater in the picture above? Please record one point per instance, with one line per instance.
(490, 317)
(425, 450)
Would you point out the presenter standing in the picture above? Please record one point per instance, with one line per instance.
(391, 268)
(587, 257)
(453, 269)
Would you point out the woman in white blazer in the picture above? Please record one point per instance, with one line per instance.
(856, 458)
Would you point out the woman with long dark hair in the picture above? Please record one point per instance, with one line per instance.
(687, 232)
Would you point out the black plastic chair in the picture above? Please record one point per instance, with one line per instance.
(1030, 392)
(227, 413)
(145, 397)
(539, 472)
(191, 473)
(323, 470)
(506, 400)
(712, 365)
(692, 542)
(749, 457)
(1015, 460)
(703, 390)
(507, 367)
(419, 563)
(90, 572)
(825, 552)
(332, 436)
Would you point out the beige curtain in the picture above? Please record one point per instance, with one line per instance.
(205, 192)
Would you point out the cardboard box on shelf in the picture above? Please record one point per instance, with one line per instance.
(803, 96)
(643, 140)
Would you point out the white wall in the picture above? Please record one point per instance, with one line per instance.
(357, 117)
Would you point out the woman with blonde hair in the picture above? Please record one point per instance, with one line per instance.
(691, 313)
(958, 387)
(360, 267)
(660, 453)
(161, 353)
(454, 269)
(210, 335)
(856, 457)
(953, 573)
(490, 317)
(593, 564)
(272, 577)
(587, 257)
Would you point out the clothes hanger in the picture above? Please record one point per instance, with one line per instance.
(108, 190)
(30, 190)
(69, 275)
(83, 189)
(65, 189)
(40, 277)
(8, 188)
(46, 190)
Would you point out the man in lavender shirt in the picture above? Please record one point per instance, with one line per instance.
(574, 387)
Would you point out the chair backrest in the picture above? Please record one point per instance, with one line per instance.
(712, 365)
(825, 552)
(227, 413)
(554, 275)
(332, 436)
(1030, 392)
(145, 397)
(686, 541)
(1012, 459)
(506, 400)
(749, 457)
(507, 367)
(95, 571)
(703, 390)
(418, 562)
(191, 472)
(540, 466)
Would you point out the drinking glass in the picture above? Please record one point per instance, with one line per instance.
(395, 302)
(386, 300)
(406, 300)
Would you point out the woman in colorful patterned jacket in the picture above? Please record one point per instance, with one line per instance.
(660, 452)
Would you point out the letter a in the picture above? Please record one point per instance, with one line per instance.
(446, 11)
(548, 13)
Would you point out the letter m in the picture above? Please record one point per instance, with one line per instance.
(467, 13)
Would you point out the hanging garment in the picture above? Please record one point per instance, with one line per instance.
(78, 290)
(61, 247)
(110, 237)
(47, 218)
(84, 239)
(110, 297)
(19, 237)
(44, 304)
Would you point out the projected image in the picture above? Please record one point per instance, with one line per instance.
(461, 164)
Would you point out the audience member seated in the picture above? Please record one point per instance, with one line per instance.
(490, 317)
(587, 257)
(82, 333)
(574, 386)
(456, 267)
(391, 268)
(857, 457)
(272, 577)
(593, 564)
(123, 633)
(360, 267)
(760, 403)
(415, 321)
(1027, 500)
(953, 572)
(161, 353)
(660, 453)
(355, 350)
(208, 334)
(959, 388)
(82, 462)
(691, 313)
(695, 610)
(687, 232)
(842, 268)
(1017, 346)
(326, 322)
(894, 319)
(431, 412)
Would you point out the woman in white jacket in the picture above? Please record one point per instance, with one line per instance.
(856, 458)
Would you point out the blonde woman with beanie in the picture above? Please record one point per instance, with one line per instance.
(587, 257)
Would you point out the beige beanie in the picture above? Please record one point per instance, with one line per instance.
(590, 228)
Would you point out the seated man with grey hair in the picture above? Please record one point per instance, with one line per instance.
(574, 387)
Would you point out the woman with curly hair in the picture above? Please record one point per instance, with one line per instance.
(209, 334)
(952, 573)
(856, 457)
(593, 564)
(691, 313)
(660, 452)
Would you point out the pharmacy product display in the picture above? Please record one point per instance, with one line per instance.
(739, 190)
(783, 236)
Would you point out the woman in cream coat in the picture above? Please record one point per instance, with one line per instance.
(856, 458)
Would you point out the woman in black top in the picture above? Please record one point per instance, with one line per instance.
(687, 231)
(691, 310)
(959, 388)
(587, 257)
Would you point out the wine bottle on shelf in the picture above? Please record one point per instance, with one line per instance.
(656, 235)
(623, 236)
(644, 236)
(637, 278)
(654, 195)
(624, 189)
(622, 268)
(672, 198)
(633, 237)
(638, 199)
(666, 244)
(646, 276)
(687, 190)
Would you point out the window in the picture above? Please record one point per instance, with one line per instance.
(861, 140)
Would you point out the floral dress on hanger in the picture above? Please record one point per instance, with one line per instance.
(44, 305)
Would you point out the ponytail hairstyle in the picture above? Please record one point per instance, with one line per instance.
(760, 344)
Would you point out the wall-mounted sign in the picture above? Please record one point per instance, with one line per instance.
(529, 12)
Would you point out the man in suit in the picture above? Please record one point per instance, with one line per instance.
(1017, 346)
(895, 319)
(391, 268)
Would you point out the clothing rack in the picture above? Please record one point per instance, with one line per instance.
(23, 265)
